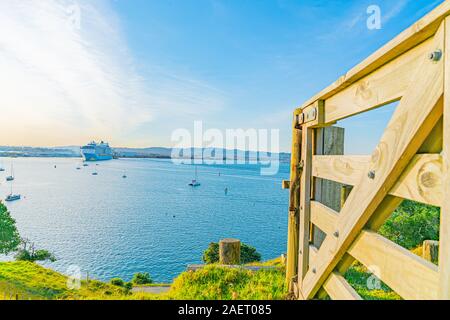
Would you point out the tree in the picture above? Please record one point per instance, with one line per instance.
(28, 252)
(142, 279)
(9, 235)
(411, 224)
(248, 254)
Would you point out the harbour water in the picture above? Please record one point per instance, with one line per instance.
(149, 222)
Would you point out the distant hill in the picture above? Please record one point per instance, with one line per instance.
(197, 153)
(151, 152)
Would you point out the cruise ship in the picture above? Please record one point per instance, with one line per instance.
(97, 151)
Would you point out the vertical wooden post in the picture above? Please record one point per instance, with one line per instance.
(328, 141)
(444, 252)
(430, 251)
(305, 203)
(294, 204)
(230, 252)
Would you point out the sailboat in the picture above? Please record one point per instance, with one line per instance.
(11, 177)
(195, 182)
(124, 175)
(1, 167)
(12, 197)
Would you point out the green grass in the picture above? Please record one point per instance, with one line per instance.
(357, 276)
(31, 281)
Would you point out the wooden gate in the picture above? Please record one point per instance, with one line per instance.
(412, 161)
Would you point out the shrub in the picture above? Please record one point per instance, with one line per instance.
(38, 255)
(248, 254)
(9, 236)
(118, 282)
(142, 279)
(411, 224)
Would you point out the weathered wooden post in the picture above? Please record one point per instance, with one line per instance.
(294, 204)
(328, 141)
(345, 192)
(431, 251)
(230, 252)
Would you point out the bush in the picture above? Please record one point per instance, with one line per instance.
(411, 224)
(39, 255)
(118, 282)
(248, 254)
(9, 236)
(142, 279)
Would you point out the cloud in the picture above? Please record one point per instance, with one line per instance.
(67, 76)
(395, 10)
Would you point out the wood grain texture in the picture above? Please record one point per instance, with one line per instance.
(294, 206)
(414, 119)
(410, 276)
(444, 252)
(338, 288)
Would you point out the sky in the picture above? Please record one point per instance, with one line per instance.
(132, 71)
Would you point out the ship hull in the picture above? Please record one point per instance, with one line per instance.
(96, 157)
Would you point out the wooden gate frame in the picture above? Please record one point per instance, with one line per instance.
(412, 161)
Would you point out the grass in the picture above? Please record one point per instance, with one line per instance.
(31, 281)
(358, 277)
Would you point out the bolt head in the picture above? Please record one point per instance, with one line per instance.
(372, 175)
(435, 55)
(336, 234)
(314, 270)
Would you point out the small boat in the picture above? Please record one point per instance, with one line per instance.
(85, 165)
(11, 177)
(78, 168)
(195, 182)
(95, 173)
(1, 168)
(12, 197)
(124, 175)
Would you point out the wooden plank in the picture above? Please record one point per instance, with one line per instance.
(412, 122)
(294, 205)
(338, 288)
(419, 32)
(305, 201)
(410, 276)
(328, 141)
(312, 253)
(444, 252)
(323, 217)
(422, 180)
(434, 142)
(383, 86)
(343, 169)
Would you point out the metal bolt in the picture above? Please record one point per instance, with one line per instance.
(435, 55)
(314, 271)
(336, 234)
(372, 175)
(300, 252)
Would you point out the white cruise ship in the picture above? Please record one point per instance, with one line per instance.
(97, 151)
